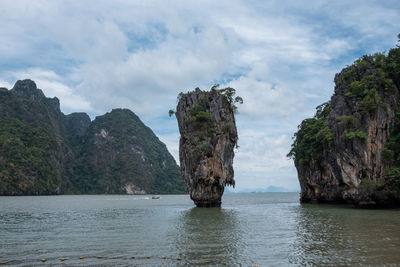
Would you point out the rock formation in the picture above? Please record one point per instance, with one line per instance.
(208, 137)
(43, 151)
(119, 154)
(341, 154)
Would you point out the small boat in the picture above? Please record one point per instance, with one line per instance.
(155, 197)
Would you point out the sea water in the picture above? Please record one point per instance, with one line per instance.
(271, 229)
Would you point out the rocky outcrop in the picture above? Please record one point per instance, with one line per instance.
(346, 140)
(28, 89)
(206, 148)
(119, 154)
(77, 123)
(43, 151)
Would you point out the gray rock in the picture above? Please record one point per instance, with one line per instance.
(28, 89)
(208, 137)
(346, 163)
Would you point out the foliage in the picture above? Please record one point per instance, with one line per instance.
(391, 153)
(368, 82)
(30, 151)
(42, 151)
(309, 139)
(198, 117)
(127, 152)
(367, 79)
(350, 135)
(349, 122)
(229, 94)
(371, 186)
(394, 179)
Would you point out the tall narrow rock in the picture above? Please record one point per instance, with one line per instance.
(208, 137)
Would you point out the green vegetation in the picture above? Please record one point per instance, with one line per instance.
(311, 136)
(42, 151)
(391, 154)
(370, 186)
(30, 150)
(119, 149)
(229, 94)
(199, 118)
(350, 135)
(349, 122)
(367, 79)
(369, 84)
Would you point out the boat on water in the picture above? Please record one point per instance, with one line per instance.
(155, 197)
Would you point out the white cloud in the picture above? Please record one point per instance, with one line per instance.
(53, 86)
(262, 99)
(6, 84)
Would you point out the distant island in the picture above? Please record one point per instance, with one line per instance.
(349, 152)
(269, 189)
(43, 151)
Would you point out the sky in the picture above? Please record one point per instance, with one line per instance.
(280, 56)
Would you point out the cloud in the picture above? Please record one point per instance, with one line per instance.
(53, 86)
(6, 84)
(151, 76)
(263, 99)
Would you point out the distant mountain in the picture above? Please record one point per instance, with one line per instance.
(269, 189)
(43, 151)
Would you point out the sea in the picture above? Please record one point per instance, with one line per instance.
(269, 229)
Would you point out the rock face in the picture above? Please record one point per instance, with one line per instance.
(43, 151)
(340, 153)
(208, 137)
(119, 154)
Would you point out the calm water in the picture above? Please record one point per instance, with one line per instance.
(250, 229)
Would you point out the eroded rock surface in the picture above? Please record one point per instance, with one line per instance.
(343, 159)
(206, 149)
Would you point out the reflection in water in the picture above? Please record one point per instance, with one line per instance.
(338, 235)
(250, 229)
(208, 234)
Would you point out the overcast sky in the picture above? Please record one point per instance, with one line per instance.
(281, 56)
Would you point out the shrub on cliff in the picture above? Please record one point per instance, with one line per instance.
(308, 141)
(339, 149)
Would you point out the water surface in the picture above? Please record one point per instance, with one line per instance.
(250, 229)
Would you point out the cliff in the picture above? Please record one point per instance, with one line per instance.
(347, 153)
(32, 153)
(119, 154)
(208, 137)
(43, 151)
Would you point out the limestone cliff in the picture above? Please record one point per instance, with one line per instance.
(340, 153)
(119, 154)
(208, 137)
(43, 151)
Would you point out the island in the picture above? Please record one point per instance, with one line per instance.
(349, 152)
(208, 137)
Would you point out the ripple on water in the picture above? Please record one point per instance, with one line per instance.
(249, 229)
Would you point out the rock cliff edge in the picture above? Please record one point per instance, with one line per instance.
(349, 152)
